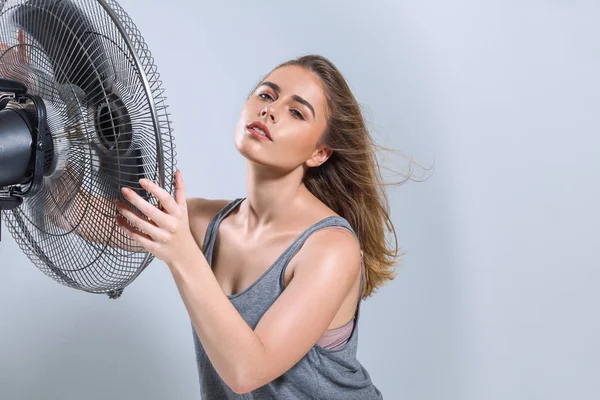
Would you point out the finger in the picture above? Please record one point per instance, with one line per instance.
(179, 190)
(140, 223)
(167, 201)
(141, 238)
(22, 49)
(159, 217)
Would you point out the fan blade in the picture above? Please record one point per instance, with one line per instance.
(65, 33)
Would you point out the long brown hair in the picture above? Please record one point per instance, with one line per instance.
(350, 181)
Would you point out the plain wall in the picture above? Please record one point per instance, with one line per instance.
(496, 296)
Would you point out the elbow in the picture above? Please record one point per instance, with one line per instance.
(250, 372)
(241, 385)
(241, 389)
(243, 382)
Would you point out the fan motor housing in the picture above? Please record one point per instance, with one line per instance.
(15, 146)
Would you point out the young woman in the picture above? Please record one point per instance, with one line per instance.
(273, 281)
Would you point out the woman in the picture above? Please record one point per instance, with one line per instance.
(273, 281)
(274, 300)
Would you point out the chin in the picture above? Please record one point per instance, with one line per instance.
(247, 147)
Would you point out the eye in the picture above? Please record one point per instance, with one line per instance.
(265, 94)
(297, 114)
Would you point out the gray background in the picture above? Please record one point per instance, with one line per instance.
(495, 298)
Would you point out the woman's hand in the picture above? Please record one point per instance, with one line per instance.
(18, 53)
(166, 231)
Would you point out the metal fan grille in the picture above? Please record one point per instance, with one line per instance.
(68, 228)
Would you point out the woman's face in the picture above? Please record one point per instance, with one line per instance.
(291, 105)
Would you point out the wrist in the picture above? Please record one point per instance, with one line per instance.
(190, 258)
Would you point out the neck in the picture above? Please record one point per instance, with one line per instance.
(271, 197)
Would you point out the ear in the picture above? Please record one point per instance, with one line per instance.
(319, 157)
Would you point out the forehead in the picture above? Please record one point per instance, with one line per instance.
(295, 80)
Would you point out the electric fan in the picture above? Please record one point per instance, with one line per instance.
(82, 114)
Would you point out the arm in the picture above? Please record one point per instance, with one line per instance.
(327, 267)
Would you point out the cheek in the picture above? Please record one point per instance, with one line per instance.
(249, 112)
(312, 135)
(301, 142)
(243, 118)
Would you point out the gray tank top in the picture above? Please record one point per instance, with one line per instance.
(321, 373)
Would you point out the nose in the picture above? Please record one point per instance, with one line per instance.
(268, 112)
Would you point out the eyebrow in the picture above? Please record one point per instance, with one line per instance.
(295, 97)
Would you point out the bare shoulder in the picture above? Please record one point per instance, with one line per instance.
(328, 268)
(335, 251)
(200, 212)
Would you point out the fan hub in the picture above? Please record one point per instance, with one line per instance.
(113, 124)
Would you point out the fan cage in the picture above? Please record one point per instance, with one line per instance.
(68, 229)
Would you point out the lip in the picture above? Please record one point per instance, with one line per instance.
(260, 125)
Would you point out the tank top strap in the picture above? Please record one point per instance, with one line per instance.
(211, 230)
(332, 220)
